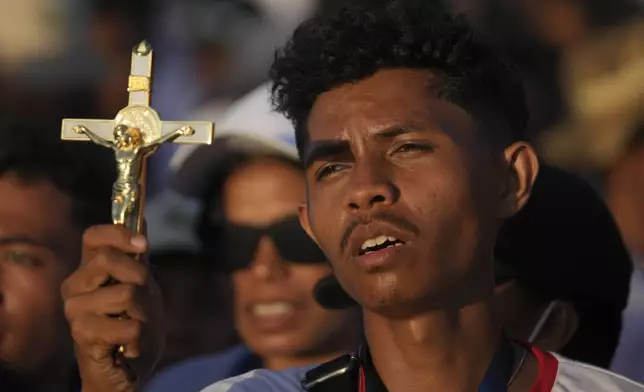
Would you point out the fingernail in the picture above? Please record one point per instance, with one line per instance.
(139, 241)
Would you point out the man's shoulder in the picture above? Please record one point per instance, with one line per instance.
(577, 376)
(263, 380)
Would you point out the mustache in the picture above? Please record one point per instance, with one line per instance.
(392, 219)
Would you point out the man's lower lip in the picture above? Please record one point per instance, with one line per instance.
(379, 258)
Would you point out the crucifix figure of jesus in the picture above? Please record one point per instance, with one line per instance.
(130, 150)
(135, 134)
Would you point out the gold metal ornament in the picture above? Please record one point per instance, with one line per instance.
(134, 134)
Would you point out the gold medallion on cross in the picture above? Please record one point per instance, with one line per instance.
(135, 133)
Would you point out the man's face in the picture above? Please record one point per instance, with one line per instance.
(39, 248)
(390, 161)
(275, 312)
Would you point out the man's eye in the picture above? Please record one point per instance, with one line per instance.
(22, 258)
(327, 170)
(412, 147)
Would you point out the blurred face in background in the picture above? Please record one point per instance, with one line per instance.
(39, 248)
(275, 311)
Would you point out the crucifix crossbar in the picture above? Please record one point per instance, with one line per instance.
(105, 128)
(138, 113)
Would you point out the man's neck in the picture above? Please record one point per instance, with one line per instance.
(440, 350)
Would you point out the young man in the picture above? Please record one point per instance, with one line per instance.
(250, 228)
(410, 131)
(50, 192)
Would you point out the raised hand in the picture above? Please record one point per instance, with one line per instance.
(90, 308)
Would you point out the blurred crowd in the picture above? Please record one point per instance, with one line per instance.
(240, 277)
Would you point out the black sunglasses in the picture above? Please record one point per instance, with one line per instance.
(238, 243)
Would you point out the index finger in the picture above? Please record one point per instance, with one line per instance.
(113, 236)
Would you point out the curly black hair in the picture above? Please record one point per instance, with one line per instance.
(354, 43)
(33, 151)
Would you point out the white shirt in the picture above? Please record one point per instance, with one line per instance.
(556, 374)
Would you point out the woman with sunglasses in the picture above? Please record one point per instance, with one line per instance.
(250, 228)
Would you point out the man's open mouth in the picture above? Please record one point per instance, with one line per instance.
(379, 243)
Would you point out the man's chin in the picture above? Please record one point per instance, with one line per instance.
(398, 301)
(382, 302)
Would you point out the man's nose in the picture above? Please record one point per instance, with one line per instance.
(371, 188)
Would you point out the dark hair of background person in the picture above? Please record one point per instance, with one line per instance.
(402, 34)
(564, 244)
(596, 340)
(33, 151)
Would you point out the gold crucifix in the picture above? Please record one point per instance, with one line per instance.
(134, 135)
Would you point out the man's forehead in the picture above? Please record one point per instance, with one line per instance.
(54, 236)
(26, 191)
(389, 98)
(386, 89)
(33, 208)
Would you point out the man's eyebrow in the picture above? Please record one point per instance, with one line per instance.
(319, 149)
(395, 130)
(24, 240)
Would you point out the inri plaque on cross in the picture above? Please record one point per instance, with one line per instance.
(134, 135)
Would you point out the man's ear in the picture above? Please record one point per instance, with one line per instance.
(522, 168)
(559, 328)
(303, 213)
